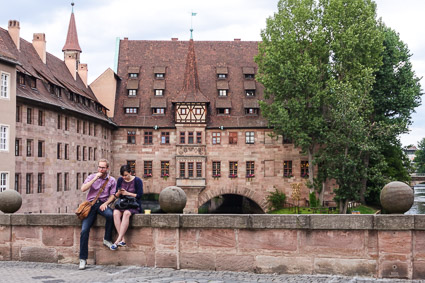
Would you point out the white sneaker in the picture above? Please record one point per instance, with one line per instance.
(107, 243)
(83, 263)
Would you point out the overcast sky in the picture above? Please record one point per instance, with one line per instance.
(100, 22)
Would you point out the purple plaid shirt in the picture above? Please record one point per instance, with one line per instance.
(110, 188)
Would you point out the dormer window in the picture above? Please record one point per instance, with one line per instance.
(251, 111)
(158, 111)
(223, 111)
(250, 92)
(133, 75)
(131, 110)
(159, 72)
(221, 73)
(21, 79)
(33, 83)
(222, 92)
(132, 92)
(58, 92)
(248, 72)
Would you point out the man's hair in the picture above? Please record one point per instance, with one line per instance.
(104, 160)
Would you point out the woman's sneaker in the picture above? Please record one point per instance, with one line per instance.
(113, 247)
(83, 263)
(121, 244)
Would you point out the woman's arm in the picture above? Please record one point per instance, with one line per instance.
(139, 188)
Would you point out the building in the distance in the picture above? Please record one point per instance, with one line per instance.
(55, 128)
(188, 115)
(182, 113)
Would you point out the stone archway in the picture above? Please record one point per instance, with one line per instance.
(207, 195)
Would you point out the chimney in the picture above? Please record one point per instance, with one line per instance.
(39, 43)
(82, 71)
(14, 30)
(174, 38)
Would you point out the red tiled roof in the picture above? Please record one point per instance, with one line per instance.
(187, 76)
(55, 72)
(72, 37)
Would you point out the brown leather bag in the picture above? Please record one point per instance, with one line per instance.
(84, 208)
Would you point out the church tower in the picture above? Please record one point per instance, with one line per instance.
(72, 48)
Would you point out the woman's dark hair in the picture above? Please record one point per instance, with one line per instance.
(125, 168)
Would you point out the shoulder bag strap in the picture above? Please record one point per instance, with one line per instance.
(100, 191)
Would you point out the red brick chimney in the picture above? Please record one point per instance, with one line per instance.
(14, 31)
(39, 43)
(82, 71)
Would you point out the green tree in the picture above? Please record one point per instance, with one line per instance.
(293, 64)
(395, 94)
(420, 157)
(317, 61)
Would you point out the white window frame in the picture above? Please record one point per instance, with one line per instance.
(222, 92)
(4, 181)
(4, 85)
(132, 92)
(4, 138)
(249, 137)
(159, 92)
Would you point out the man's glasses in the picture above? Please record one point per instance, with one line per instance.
(100, 167)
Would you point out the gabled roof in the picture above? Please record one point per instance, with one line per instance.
(186, 77)
(53, 72)
(71, 43)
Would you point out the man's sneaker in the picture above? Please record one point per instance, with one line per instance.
(107, 243)
(113, 247)
(121, 244)
(83, 263)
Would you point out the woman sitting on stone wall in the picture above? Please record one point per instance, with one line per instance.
(127, 185)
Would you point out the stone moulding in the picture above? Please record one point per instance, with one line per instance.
(237, 221)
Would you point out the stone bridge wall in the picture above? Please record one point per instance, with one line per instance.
(383, 246)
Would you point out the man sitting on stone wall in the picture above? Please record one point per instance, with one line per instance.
(93, 184)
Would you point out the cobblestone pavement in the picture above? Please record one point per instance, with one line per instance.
(15, 272)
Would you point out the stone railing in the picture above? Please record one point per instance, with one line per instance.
(382, 246)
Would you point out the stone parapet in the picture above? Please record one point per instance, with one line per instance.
(236, 221)
(382, 246)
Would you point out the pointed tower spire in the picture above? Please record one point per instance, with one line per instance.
(191, 91)
(72, 37)
(71, 49)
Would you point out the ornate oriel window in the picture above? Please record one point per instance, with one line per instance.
(191, 112)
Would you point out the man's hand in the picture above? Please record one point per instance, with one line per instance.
(103, 207)
(98, 175)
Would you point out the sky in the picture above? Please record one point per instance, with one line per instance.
(101, 22)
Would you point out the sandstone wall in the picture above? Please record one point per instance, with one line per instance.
(382, 246)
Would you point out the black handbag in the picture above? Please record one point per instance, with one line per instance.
(126, 202)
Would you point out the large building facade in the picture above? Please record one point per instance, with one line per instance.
(57, 127)
(181, 113)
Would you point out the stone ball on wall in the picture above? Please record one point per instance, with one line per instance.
(172, 199)
(10, 201)
(397, 197)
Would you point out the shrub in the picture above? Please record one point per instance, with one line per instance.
(313, 199)
(276, 200)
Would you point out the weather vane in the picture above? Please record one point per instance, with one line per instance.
(191, 26)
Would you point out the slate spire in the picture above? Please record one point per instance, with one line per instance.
(191, 91)
(71, 43)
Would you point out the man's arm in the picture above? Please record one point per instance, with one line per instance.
(87, 186)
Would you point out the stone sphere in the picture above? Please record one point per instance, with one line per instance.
(172, 199)
(10, 201)
(397, 197)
